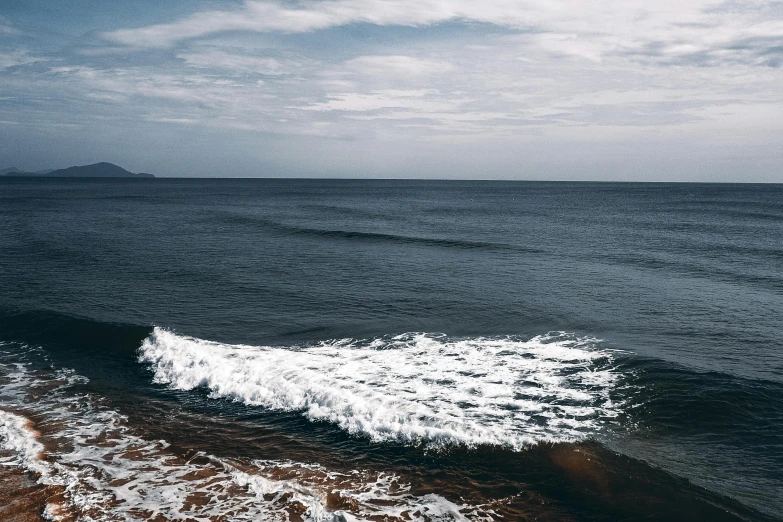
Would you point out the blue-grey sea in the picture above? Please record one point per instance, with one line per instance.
(389, 350)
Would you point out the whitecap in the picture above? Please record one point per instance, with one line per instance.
(412, 388)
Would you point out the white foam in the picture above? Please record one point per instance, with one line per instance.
(19, 439)
(108, 473)
(411, 388)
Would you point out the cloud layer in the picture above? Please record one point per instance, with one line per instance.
(701, 30)
(475, 87)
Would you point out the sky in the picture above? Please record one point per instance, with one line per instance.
(461, 89)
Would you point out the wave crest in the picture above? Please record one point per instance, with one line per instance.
(412, 388)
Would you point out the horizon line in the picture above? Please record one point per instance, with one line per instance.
(304, 178)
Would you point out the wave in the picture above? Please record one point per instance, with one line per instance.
(98, 465)
(356, 235)
(758, 276)
(98, 469)
(395, 238)
(412, 388)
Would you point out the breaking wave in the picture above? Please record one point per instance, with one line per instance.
(412, 388)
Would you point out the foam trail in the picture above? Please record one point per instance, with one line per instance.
(102, 471)
(19, 438)
(411, 388)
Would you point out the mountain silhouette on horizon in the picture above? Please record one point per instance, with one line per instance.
(96, 170)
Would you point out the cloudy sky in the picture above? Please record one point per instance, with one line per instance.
(508, 89)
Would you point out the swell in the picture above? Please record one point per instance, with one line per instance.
(675, 400)
(393, 238)
(348, 211)
(766, 281)
(720, 431)
(373, 237)
(71, 335)
(752, 209)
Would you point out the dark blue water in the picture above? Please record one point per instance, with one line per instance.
(566, 351)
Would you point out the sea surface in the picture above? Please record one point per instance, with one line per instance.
(220, 350)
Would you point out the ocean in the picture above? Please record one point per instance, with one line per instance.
(389, 350)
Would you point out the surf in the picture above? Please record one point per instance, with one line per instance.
(413, 388)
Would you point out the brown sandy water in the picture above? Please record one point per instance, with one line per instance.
(105, 472)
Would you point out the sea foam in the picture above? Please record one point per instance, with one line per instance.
(102, 471)
(412, 388)
(19, 440)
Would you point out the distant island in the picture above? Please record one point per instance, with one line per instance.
(96, 170)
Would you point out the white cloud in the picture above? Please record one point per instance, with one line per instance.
(670, 31)
(6, 28)
(418, 100)
(627, 19)
(397, 65)
(568, 16)
(17, 57)
(565, 63)
(233, 62)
